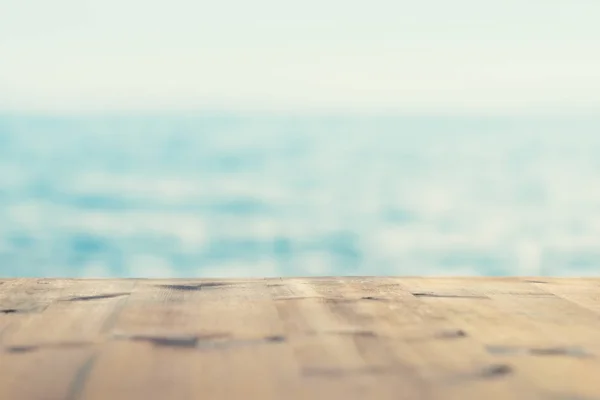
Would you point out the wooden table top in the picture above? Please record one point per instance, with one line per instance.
(300, 338)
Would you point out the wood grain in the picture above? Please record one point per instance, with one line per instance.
(300, 338)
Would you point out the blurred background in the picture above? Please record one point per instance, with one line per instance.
(235, 138)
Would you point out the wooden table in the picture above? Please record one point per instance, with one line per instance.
(303, 338)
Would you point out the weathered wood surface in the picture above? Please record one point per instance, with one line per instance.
(321, 338)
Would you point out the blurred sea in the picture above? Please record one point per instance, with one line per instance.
(250, 196)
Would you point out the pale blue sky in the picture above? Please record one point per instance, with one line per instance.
(393, 55)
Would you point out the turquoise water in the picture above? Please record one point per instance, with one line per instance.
(286, 196)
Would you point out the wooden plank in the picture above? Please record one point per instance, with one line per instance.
(545, 339)
(300, 338)
(58, 329)
(192, 336)
(449, 361)
(327, 346)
